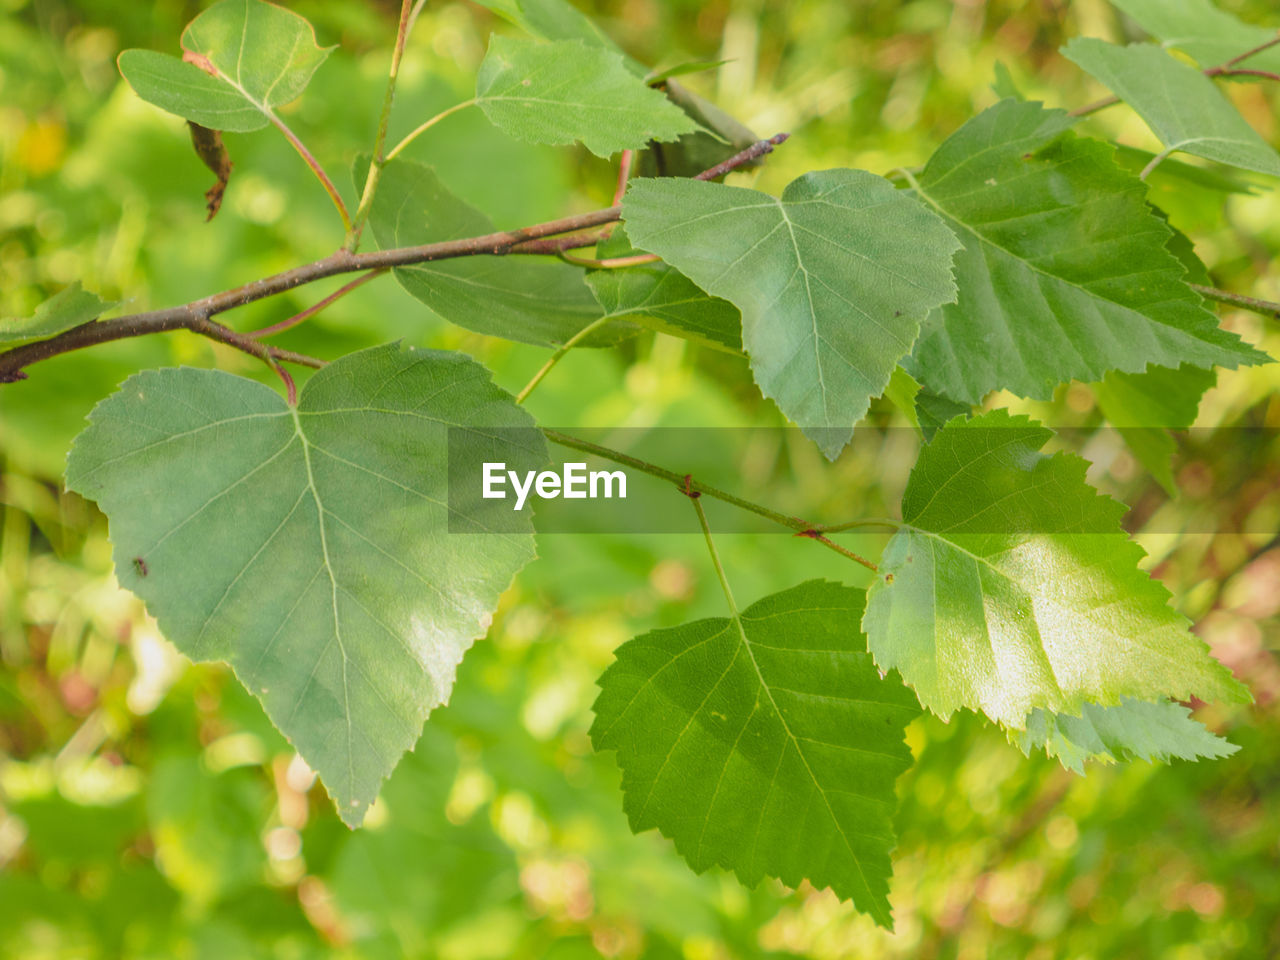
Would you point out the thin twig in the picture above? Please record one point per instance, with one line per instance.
(715, 560)
(423, 128)
(814, 534)
(315, 308)
(541, 238)
(612, 263)
(1155, 161)
(314, 164)
(854, 524)
(753, 152)
(624, 174)
(290, 388)
(1265, 307)
(1264, 74)
(380, 139)
(1094, 107)
(556, 357)
(682, 481)
(1246, 55)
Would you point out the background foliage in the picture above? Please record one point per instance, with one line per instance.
(149, 809)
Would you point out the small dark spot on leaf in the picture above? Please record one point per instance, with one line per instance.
(888, 578)
(1027, 156)
(897, 313)
(140, 566)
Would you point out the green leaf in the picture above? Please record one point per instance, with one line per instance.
(1065, 273)
(1133, 729)
(934, 412)
(310, 547)
(1003, 85)
(550, 20)
(566, 91)
(768, 744)
(1144, 407)
(658, 77)
(1011, 586)
(1209, 35)
(242, 59)
(658, 296)
(1182, 106)
(531, 299)
(832, 280)
(68, 308)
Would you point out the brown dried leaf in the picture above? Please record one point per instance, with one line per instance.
(211, 149)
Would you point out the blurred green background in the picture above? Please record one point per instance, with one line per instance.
(148, 809)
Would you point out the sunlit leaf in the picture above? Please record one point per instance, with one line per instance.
(1182, 106)
(310, 547)
(1133, 729)
(832, 280)
(767, 744)
(566, 91)
(1011, 586)
(242, 59)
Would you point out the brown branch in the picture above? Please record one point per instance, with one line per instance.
(1246, 55)
(315, 308)
(541, 238)
(1265, 307)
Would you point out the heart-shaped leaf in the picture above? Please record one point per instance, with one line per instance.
(833, 280)
(767, 743)
(566, 91)
(242, 59)
(1012, 586)
(1065, 272)
(311, 547)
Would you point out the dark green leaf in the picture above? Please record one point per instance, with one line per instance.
(566, 91)
(656, 295)
(1011, 586)
(310, 547)
(767, 744)
(832, 280)
(1182, 106)
(243, 58)
(531, 299)
(1065, 273)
